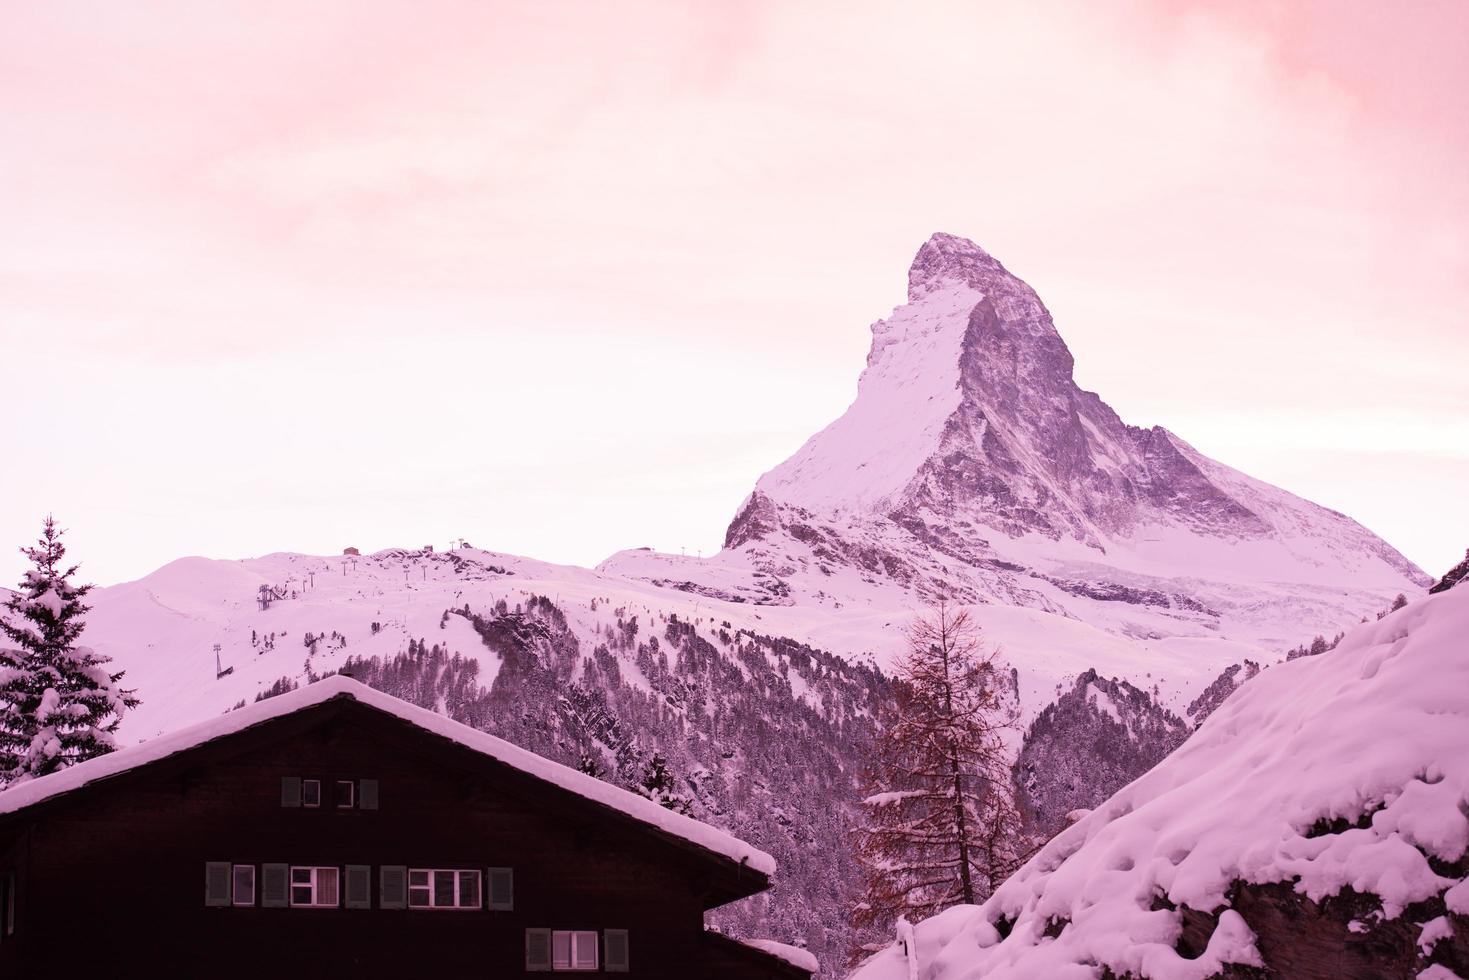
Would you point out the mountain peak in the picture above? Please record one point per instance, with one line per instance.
(949, 258)
(970, 438)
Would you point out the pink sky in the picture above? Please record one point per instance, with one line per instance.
(566, 278)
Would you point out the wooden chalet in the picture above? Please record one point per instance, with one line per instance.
(335, 831)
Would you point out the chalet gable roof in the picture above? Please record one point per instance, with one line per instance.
(23, 795)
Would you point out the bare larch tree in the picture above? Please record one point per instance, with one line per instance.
(939, 826)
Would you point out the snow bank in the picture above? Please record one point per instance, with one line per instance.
(643, 810)
(1373, 734)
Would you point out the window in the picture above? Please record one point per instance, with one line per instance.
(345, 795)
(314, 887)
(439, 888)
(311, 792)
(242, 885)
(573, 950)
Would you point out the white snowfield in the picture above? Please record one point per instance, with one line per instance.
(1376, 729)
(640, 809)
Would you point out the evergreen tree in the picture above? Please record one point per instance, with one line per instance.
(939, 826)
(658, 785)
(59, 704)
(589, 763)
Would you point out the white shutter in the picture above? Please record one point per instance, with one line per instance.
(359, 886)
(392, 887)
(274, 886)
(216, 883)
(614, 950)
(538, 950)
(502, 890)
(367, 794)
(290, 791)
(560, 950)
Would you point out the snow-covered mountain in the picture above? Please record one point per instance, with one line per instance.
(1314, 826)
(1115, 568)
(971, 464)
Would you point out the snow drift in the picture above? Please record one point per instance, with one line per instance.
(1342, 775)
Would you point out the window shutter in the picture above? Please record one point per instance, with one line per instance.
(392, 887)
(538, 950)
(367, 794)
(502, 890)
(614, 949)
(216, 883)
(274, 891)
(290, 791)
(10, 904)
(359, 886)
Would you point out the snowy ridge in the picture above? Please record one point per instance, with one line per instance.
(1343, 772)
(162, 628)
(643, 810)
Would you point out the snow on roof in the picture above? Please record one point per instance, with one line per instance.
(794, 955)
(1375, 729)
(643, 810)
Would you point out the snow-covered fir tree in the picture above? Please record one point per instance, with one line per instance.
(939, 826)
(59, 704)
(658, 785)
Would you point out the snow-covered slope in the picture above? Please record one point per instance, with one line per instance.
(971, 464)
(162, 628)
(1321, 809)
